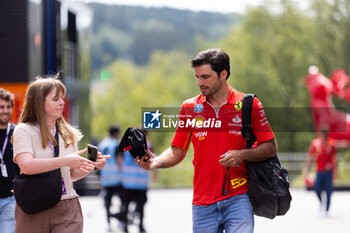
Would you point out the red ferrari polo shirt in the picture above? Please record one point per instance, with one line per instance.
(212, 133)
(324, 153)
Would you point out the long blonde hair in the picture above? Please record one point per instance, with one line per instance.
(34, 111)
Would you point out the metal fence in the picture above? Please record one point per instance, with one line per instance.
(295, 162)
(181, 175)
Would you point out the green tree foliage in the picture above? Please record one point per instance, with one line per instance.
(107, 45)
(166, 82)
(270, 55)
(134, 33)
(270, 49)
(332, 29)
(271, 52)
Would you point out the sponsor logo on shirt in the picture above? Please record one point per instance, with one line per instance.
(198, 121)
(263, 120)
(238, 182)
(201, 135)
(262, 113)
(235, 132)
(236, 119)
(198, 108)
(238, 105)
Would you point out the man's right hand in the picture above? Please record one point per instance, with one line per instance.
(170, 157)
(305, 171)
(146, 162)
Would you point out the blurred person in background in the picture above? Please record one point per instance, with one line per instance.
(110, 175)
(33, 145)
(135, 182)
(323, 152)
(8, 168)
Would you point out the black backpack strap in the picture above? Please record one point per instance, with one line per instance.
(57, 147)
(246, 129)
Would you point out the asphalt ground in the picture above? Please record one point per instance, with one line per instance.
(169, 211)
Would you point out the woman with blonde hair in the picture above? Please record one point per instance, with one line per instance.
(34, 142)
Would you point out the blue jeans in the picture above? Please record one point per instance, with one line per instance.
(324, 182)
(234, 214)
(7, 214)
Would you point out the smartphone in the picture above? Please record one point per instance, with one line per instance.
(92, 152)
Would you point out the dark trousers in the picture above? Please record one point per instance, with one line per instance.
(324, 182)
(109, 192)
(133, 195)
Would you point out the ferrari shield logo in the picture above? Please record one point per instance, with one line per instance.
(238, 105)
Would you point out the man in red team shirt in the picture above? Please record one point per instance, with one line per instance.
(322, 149)
(212, 122)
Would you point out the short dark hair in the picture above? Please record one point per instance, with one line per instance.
(6, 95)
(114, 129)
(217, 58)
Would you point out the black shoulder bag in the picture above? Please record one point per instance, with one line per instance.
(268, 185)
(39, 192)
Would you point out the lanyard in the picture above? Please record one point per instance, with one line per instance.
(54, 149)
(5, 143)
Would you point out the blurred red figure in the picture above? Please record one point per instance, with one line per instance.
(341, 81)
(323, 110)
(323, 152)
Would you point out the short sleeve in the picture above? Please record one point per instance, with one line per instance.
(75, 146)
(182, 137)
(312, 148)
(260, 125)
(22, 141)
